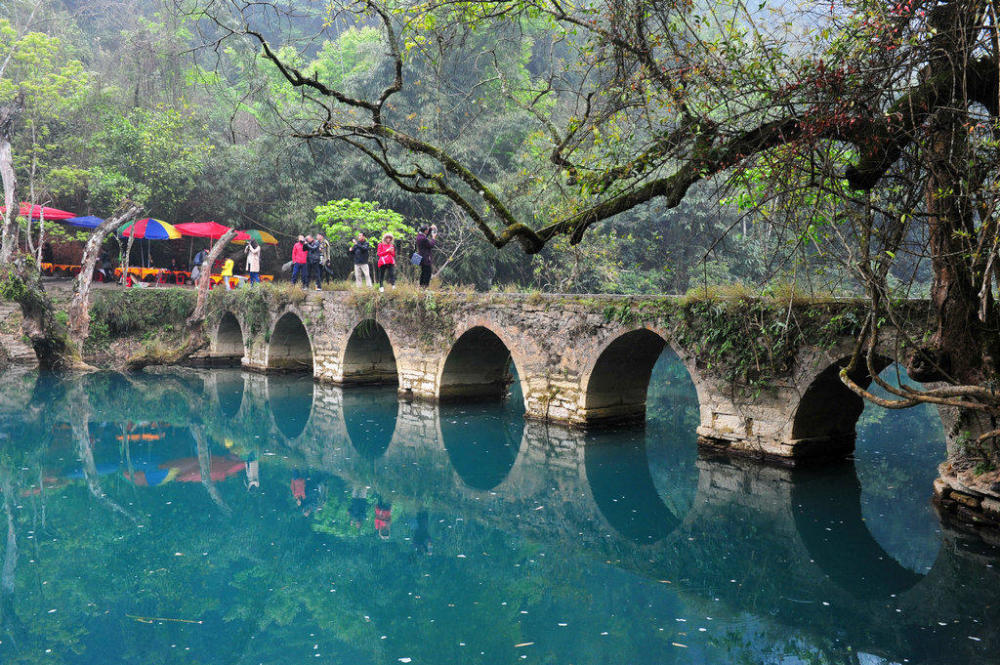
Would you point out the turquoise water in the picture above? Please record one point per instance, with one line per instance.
(221, 517)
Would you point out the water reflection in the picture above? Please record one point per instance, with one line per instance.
(290, 399)
(370, 537)
(229, 389)
(897, 453)
(370, 419)
(827, 509)
(619, 479)
(482, 442)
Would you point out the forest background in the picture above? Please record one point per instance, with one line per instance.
(123, 101)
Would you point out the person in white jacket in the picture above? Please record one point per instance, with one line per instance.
(253, 261)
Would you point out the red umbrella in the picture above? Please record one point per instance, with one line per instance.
(208, 230)
(188, 470)
(35, 212)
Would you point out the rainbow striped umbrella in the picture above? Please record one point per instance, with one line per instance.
(151, 229)
(262, 237)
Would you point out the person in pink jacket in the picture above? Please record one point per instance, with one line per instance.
(386, 262)
(299, 257)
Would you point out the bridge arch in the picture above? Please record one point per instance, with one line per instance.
(229, 341)
(615, 386)
(368, 356)
(826, 416)
(289, 347)
(478, 367)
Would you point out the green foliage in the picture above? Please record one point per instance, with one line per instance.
(254, 304)
(151, 155)
(135, 311)
(12, 287)
(341, 221)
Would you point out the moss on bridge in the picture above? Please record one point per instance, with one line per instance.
(749, 341)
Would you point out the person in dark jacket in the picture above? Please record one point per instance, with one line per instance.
(196, 265)
(426, 240)
(360, 250)
(315, 270)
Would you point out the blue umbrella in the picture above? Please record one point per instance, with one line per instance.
(88, 222)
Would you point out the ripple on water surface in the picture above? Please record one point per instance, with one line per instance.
(228, 517)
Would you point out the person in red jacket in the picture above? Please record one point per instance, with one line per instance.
(383, 518)
(299, 258)
(298, 487)
(386, 262)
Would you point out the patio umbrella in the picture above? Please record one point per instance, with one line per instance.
(36, 211)
(211, 230)
(88, 222)
(220, 467)
(262, 237)
(151, 229)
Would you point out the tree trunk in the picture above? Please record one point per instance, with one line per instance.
(956, 349)
(194, 334)
(79, 308)
(48, 337)
(198, 316)
(80, 426)
(8, 235)
(962, 349)
(126, 262)
(10, 552)
(205, 468)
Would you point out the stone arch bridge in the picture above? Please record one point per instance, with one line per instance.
(581, 361)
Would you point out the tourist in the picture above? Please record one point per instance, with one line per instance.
(253, 261)
(196, 264)
(298, 487)
(426, 240)
(359, 250)
(422, 534)
(386, 262)
(358, 508)
(383, 517)
(227, 273)
(324, 257)
(313, 259)
(104, 266)
(299, 259)
(315, 497)
(253, 472)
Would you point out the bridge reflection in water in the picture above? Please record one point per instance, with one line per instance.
(722, 538)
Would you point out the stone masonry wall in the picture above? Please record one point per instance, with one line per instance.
(580, 361)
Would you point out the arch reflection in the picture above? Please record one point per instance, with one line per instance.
(827, 509)
(291, 402)
(482, 442)
(229, 387)
(370, 419)
(623, 489)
